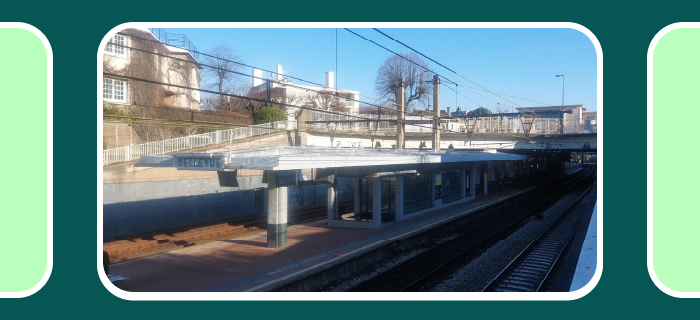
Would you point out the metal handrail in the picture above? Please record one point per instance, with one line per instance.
(132, 152)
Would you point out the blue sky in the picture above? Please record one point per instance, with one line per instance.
(517, 62)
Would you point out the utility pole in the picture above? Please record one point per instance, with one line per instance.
(400, 126)
(561, 113)
(436, 109)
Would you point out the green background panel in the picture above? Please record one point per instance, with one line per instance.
(676, 219)
(75, 30)
(23, 180)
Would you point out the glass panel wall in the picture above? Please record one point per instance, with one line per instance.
(417, 193)
(451, 186)
(388, 199)
(344, 196)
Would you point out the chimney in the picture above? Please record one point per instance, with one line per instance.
(257, 77)
(279, 72)
(449, 111)
(329, 79)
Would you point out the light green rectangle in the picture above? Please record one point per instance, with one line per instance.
(676, 217)
(23, 169)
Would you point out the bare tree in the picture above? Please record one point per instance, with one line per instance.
(327, 100)
(223, 59)
(417, 79)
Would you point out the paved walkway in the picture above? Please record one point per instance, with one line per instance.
(589, 255)
(246, 264)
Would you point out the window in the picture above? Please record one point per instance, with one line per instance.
(116, 44)
(114, 90)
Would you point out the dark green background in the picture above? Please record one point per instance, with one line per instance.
(76, 29)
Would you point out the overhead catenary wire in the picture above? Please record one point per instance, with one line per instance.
(252, 76)
(253, 99)
(455, 72)
(178, 109)
(315, 83)
(448, 87)
(213, 56)
(323, 92)
(442, 76)
(168, 122)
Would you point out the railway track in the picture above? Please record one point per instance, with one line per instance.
(413, 273)
(528, 271)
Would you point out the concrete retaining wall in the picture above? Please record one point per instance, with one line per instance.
(143, 207)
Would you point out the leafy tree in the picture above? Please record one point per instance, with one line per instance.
(480, 111)
(266, 115)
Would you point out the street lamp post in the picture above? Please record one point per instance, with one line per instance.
(561, 117)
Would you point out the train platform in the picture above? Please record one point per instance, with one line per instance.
(588, 258)
(246, 263)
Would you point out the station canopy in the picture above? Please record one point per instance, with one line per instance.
(294, 158)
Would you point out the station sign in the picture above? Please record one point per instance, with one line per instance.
(204, 162)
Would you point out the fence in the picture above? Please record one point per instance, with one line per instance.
(133, 152)
(373, 123)
(480, 125)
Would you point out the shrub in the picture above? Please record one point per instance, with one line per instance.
(266, 115)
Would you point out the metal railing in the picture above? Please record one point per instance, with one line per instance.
(484, 125)
(175, 40)
(371, 124)
(133, 152)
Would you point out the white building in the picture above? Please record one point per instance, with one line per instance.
(590, 122)
(120, 59)
(283, 90)
(573, 122)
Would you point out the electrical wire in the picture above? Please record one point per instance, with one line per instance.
(455, 72)
(213, 113)
(323, 92)
(248, 75)
(315, 83)
(247, 98)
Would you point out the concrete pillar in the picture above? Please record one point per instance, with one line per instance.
(399, 198)
(276, 213)
(377, 202)
(436, 109)
(332, 203)
(463, 184)
(400, 127)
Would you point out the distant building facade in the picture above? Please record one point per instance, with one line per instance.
(120, 59)
(282, 89)
(590, 122)
(572, 118)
